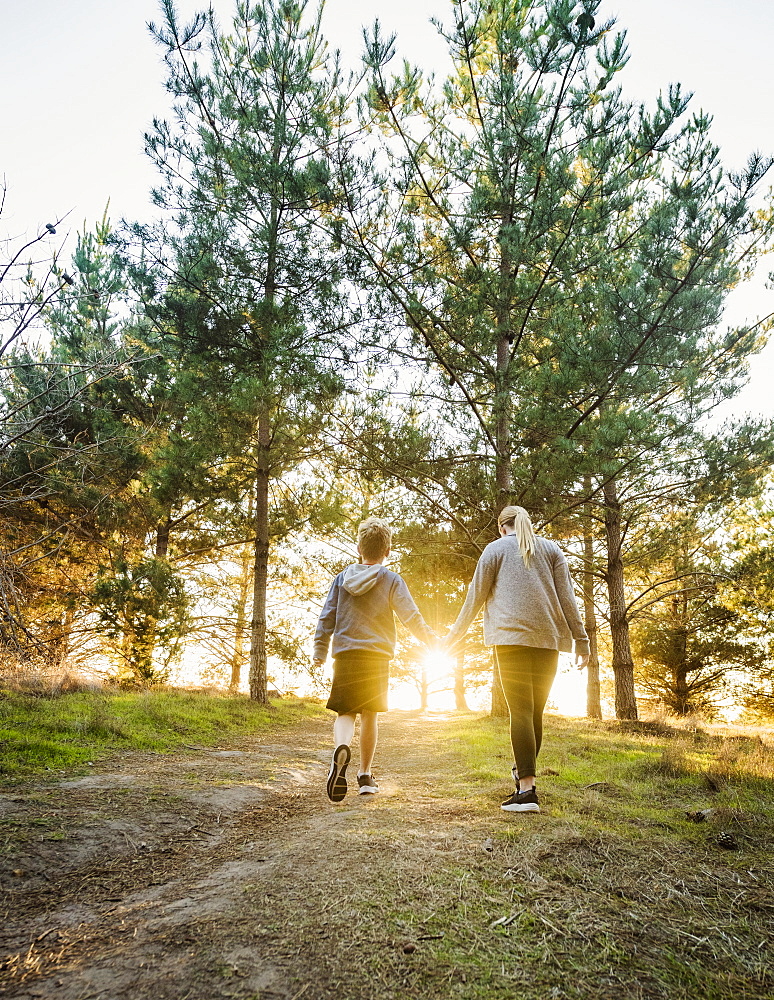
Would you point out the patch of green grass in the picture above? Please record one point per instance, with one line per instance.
(630, 771)
(43, 734)
(613, 890)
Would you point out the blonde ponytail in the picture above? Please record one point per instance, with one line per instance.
(523, 529)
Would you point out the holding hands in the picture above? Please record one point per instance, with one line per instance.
(445, 643)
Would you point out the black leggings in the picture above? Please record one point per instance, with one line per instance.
(527, 675)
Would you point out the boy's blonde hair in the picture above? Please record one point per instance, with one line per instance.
(374, 538)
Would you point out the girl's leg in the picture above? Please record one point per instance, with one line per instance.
(544, 664)
(369, 734)
(517, 686)
(527, 675)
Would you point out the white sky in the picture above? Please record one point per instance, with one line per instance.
(81, 80)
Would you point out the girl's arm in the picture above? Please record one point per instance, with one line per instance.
(566, 594)
(478, 592)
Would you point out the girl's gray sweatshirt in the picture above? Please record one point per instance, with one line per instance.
(359, 613)
(523, 607)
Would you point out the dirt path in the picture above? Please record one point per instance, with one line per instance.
(229, 874)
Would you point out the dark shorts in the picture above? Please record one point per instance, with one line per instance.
(359, 683)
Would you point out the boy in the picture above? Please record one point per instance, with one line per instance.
(358, 613)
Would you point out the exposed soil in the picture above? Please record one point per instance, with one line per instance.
(223, 873)
(227, 873)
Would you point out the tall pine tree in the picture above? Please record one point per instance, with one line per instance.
(246, 279)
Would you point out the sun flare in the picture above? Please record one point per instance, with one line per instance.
(568, 694)
(437, 665)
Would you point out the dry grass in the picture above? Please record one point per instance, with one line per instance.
(38, 680)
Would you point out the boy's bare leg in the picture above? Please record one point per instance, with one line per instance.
(369, 734)
(344, 729)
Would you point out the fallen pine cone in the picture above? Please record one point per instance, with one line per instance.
(409, 948)
(727, 840)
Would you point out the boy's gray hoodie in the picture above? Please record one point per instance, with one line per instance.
(359, 613)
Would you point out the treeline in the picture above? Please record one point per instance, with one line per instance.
(377, 292)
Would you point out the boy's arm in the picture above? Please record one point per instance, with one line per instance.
(326, 623)
(478, 591)
(409, 614)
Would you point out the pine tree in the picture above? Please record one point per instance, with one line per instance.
(560, 257)
(250, 289)
(70, 451)
(689, 636)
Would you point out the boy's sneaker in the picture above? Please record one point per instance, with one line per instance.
(367, 784)
(522, 802)
(337, 781)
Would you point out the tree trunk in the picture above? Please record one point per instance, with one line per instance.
(682, 690)
(499, 704)
(423, 690)
(502, 415)
(680, 669)
(502, 407)
(593, 699)
(502, 477)
(162, 538)
(623, 665)
(459, 683)
(502, 399)
(241, 618)
(258, 686)
(257, 677)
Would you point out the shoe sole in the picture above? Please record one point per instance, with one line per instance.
(528, 807)
(337, 780)
(367, 790)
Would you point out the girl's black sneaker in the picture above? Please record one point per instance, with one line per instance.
(337, 780)
(522, 802)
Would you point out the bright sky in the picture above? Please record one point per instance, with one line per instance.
(81, 81)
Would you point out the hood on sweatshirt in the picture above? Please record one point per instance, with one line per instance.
(358, 579)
